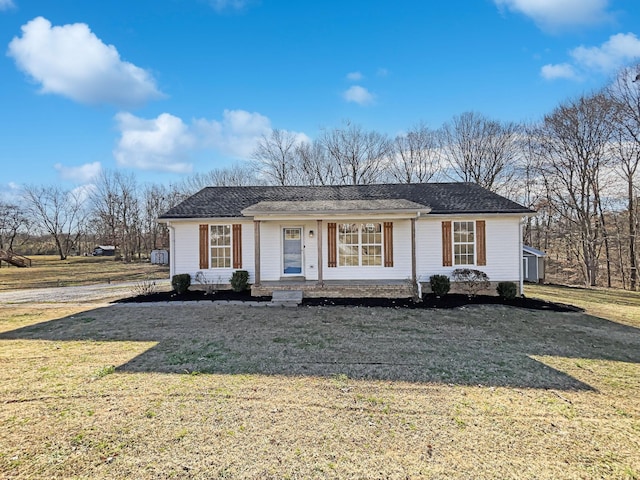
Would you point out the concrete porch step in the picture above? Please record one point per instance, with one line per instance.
(286, 298)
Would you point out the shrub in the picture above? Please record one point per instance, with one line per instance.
(471, 281)
(181, 282)
(144, 287)
(240, 280)
(440, 284)
(210, 286)
(507, 290)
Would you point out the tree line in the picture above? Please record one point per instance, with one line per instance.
(576, 167)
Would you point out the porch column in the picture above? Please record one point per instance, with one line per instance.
(320, 262)
(413, 251)
(256, 251)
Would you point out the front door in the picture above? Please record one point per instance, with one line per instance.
(292, 251)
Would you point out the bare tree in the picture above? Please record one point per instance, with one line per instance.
(274, 156)
(480, 150)
(57, 212)
(574, 140)
(236, 175)
(116, 206)
(417, 156)
(625, 92)
(314, 165)
(12, 220)
(359, 156)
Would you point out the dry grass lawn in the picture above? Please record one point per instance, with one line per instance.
(202, 391)
(50, 271)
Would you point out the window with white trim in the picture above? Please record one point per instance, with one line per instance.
(464, 244)
(359, 244)
(220, 239)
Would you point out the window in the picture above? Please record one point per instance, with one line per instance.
(359, 244)
(463, 243)
(220, 246)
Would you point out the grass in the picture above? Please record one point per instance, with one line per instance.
(50, 271)
(207, 391)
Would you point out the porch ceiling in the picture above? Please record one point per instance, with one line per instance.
(340, 207)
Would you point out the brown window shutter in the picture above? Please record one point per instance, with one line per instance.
(447, 259)
(204, 246)
(388, 244)
(481, 244)
(331, 242)
(237, 245)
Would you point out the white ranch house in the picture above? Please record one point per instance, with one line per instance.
(367, 240)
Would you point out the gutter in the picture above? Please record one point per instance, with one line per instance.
(172, 250)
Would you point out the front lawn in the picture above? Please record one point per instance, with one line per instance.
(203, 391)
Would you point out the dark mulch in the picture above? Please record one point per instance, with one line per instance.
(446, 301)
(193, 296)
(429, 301)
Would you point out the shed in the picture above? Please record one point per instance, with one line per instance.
(104, 250)
(160, 257)
(533, 264)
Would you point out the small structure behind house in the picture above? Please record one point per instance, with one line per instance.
(104, 251)
(533, 264)
(160, 257)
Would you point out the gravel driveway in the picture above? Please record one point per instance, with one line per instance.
(81, 294)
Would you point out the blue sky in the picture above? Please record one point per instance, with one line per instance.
(166, 88)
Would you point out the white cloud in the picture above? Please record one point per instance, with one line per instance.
(555, 14)
(382, 72)
(6, 4)
(613, 54)
(236, 134)
(83, 193)
(354, 76)
(165, 143)
(82, 174)
(161, 144)
(70, 60)
(561, 70)
(359, 95)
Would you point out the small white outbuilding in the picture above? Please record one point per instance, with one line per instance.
(533, 264)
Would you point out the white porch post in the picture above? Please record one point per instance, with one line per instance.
(414, 275)
(320, 261)
(256, 237)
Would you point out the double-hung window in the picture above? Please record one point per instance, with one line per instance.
(220, 237)
(464, 243)
(359, 244)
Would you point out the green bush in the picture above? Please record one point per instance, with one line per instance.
(240, 280)
(181, 282)
(507, 290)
(471, 281)
(440, 285)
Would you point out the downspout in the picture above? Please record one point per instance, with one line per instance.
(521, 272)
(172, 250)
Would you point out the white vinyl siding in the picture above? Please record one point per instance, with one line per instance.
(502, 247)
(186, 258)
(401, 269)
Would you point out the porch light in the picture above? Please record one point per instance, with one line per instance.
(310, 233)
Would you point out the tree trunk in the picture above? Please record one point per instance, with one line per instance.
(632, 240)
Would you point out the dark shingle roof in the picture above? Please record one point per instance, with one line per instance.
(442, 198)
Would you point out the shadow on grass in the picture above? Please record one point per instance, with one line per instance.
(487, 345)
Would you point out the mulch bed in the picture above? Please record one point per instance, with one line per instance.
(429, 301)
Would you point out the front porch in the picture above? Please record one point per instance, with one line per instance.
(338, 288)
